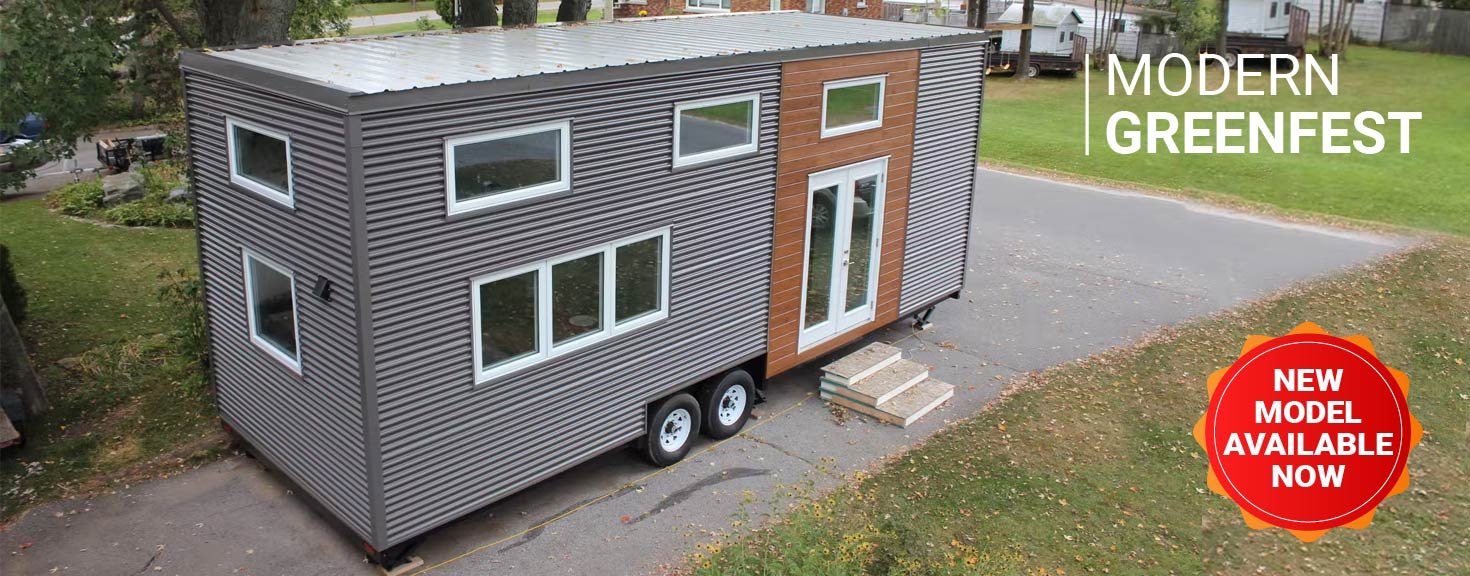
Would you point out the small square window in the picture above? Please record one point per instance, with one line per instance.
(270, 292)
(713, 129)
(852, 105)
(260, 161)
(507, 165)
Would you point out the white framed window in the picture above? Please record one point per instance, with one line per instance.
(707, 130)
(260, 160)
(707, 5)
(852, 105)
(504, 166)
(270, 299)
(525, 315)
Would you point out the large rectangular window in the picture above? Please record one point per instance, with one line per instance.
(507, 165)
(548, 308)
(717, 128)
(852, 105)
(270, 294)
(260, 160)
(708, 5)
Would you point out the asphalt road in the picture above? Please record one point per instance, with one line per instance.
(1057, 272)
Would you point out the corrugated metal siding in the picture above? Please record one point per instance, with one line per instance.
(941, 191)
(309, 425)
(449, 447)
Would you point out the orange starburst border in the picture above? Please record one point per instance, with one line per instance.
(1416, 432)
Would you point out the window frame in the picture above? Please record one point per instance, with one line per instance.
(561, 184)
(718, 153)
(287, 198)
(610, 327)
(291, 362)
(827, 87)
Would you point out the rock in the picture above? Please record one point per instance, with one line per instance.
(178, 195)
(120, 188)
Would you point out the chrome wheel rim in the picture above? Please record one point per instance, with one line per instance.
(731, 406)
(675, 430)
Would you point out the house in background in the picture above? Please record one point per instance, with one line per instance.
(1053, 26)
(1369, 17)
(856, 8)
(1132, 25)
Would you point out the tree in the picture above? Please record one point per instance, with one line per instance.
(474, 13)
(518, 13)
(573, 10)
(1023, 62)
(231, 22)
(1221, 46)
(1193, 23)
(318, 18)
(975, 13)
(56, 60)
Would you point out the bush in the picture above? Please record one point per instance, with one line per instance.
(184, 295)
(151, 212)
(11, 291)
(76, 199)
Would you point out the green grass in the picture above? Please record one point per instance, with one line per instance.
(1039, 124)
(545, 17)
(381, 8)
(119, 390)
(1089, 468)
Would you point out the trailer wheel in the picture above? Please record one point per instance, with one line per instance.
(671, 430)
(1232, 56)
(1033, 70)
(727, 404)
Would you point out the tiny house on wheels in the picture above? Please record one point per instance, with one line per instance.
(442, 267)
(1265, 27)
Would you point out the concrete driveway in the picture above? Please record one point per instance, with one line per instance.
(1057, 272)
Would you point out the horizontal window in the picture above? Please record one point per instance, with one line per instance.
(712, 129)
(260, 160)
(507, 165)
(523, 316)
(852, 105)
(708, 4)
(270, 293)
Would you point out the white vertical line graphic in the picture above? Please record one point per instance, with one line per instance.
(1087, 105)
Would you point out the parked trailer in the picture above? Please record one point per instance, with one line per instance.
(1001, 61)
(437, 279)
(1266, 27)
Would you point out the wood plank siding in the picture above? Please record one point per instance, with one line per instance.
(802, 151)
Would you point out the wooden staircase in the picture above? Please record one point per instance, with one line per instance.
(877, 381)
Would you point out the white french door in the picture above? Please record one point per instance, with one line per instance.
(844, 226)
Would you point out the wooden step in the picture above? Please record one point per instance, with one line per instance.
(883, 385)
(861, 364)
(904, 409)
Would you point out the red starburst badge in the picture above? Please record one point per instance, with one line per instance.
(1308, 432)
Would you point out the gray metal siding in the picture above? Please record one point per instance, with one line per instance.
(941, 191)
(310, 425)
(449, 446)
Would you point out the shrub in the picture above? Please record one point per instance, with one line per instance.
(151, 212)
(184, 295)
(76, 199)
(159, 178)
(11, 291)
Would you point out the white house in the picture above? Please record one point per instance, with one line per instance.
(1368, 17)
(1052, 28)
(1130, 23)
(1260, 17)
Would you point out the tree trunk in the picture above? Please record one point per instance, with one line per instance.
(478, 13)
(518, 13)
(231, 22)
(1221, 46)
(1023, 62)
(573, 10)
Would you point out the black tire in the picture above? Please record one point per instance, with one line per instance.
(662, 419)
(727, 404)
(824, 213)
(1033, 70)
(1232, 58)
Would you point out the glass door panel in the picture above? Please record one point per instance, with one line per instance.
(820, 261)
(861, 232)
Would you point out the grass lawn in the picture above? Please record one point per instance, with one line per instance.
(1089, 468)
(544, 17)
(381, 8)
(125, 394)
(1039, 124)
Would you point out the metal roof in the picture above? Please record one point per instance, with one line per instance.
(1042, 15)
(397, 63)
